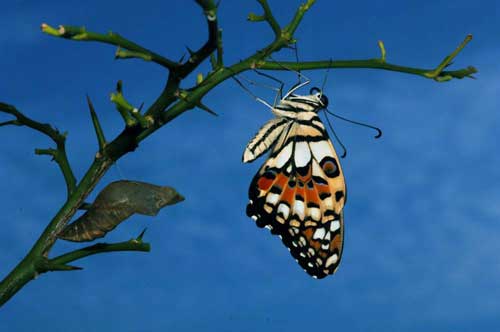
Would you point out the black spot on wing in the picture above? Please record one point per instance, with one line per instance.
(330, 167)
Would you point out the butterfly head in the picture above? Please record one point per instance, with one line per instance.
(315, 98)
(318, 95)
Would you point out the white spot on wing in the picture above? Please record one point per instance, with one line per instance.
(284, 155)
(284, 209)
(319, 234)
(302, 154)
(299, 209)
(314, 213)
(272, 198)
(332, 260)
(320, 149)
(334, 225)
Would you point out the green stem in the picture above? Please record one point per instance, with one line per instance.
(99, 248)
(59, 139)
(369, 63)
(269, 17)
(81, 34)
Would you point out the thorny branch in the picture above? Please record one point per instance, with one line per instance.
(171, 102)
(58, 154)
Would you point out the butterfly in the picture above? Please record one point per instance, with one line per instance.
(299, 192)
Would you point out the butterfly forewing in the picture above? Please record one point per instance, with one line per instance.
(299, 193)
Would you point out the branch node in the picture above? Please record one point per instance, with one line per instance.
(48, 152)
(438, 74)
(123, 106)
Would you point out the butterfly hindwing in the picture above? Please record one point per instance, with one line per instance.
(299, 193)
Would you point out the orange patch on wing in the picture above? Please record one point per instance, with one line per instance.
(322, 189)
(265, 183)
(288, 195)
(300, 192)
(312, 196)
(336, 242)
(281, 181)
(308, 232)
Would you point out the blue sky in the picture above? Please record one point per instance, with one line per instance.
(421, 250)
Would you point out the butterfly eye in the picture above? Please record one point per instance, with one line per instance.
(315, 90)
(324, 100)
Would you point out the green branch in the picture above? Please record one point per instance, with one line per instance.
(58, 154)
(130, 114)
(268, 17)
(437, 74)
(99, 248)
(126, 48)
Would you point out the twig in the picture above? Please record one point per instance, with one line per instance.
(130, 114)
(210, 10)
(268, 17)
(99, 248)
(58, 154)
(127, 49)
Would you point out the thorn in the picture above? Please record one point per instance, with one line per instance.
(206, 109)
(119, 85)
(190, 51)
(72, 268)
(139, 238)
(448, 64)
(182, 58)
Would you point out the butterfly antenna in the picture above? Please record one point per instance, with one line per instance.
(296, 51)
(379, 131)
(335, 135)
(326, 77)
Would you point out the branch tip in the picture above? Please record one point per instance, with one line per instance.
(441, 76)
(382, 50)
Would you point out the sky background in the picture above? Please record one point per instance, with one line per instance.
(423, 215)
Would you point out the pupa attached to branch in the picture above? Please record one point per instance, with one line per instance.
(114, 204)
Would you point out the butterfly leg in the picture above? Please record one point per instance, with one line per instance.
(279, 94)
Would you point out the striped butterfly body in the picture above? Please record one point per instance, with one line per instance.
(299, 192)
